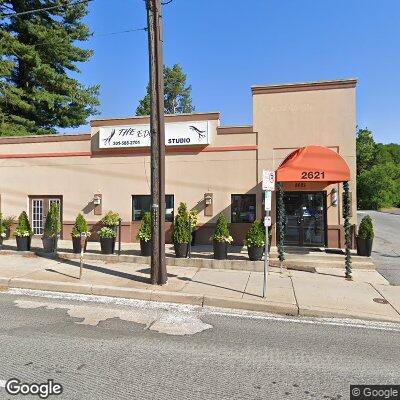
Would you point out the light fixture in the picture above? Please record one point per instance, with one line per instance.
(208, 199)
(334, 197)
(96, 200)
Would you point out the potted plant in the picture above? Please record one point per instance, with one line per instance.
(194, 220)
(181, 231)
(52, 228)
(7, 223)
(255, 240)
(2, 232)
(23, 233)
(144, 235)
(221, 238)
(107, 240)
(111, 220)
(365, 237)
(80, 227)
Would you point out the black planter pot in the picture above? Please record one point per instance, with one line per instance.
(23, 243)
(181, 250)
(76, 245)
(220, 250)
(1, 242)
(255, 253)
(364, 247)
(107, 245)
(49, 244)
(145, 248)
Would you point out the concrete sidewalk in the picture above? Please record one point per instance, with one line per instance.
(324, 294)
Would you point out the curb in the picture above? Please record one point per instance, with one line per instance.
(258, 305)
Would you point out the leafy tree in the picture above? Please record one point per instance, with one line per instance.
(37, 53)
(379, 187)
(387, 153)
(366, 150)
(177, 96)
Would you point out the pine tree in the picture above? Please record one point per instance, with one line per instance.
(38, 53)
(177, 96)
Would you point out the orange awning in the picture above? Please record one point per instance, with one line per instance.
(313, 163)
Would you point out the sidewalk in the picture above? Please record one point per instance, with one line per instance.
(323, 294)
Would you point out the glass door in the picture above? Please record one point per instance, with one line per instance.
(305, 218)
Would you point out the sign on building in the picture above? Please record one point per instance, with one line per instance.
(268, 182)
(176, 134)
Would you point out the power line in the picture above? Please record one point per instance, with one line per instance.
(44, 9)
(118, 32)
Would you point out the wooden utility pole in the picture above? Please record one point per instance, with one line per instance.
(157, 130)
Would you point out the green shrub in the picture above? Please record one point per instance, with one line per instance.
(24, 227)
(221, 233)
(107, 233)
(255, 236)
(145, 228)
(80, 226)
(181, 230)
(366, 228)
(110, 219)
(52, 225)
(3, 229)
(193, 218)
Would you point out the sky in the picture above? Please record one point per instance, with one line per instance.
(226, 46)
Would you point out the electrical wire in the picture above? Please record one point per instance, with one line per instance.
(44, 9)
(118, 32)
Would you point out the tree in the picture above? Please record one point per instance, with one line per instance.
(177, 96)
(365, 150)
(37, 53)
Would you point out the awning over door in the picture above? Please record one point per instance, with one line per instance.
(313, 163)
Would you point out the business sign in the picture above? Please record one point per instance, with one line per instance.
(176, 134)
(268, 182)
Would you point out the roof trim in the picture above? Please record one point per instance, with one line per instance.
(44, 138)
(305, 86)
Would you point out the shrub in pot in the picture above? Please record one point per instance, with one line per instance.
(80, 227)
(52, 228)
(194, 220)
(7, 223)
(107, 240)
(111, 220)
(255, 240)
(23, 233)
(221, 238)
(181, 231)
(365, 237)
(144, 235)
(2, 232)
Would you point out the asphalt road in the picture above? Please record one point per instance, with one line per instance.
(231, 356)
(386, 247)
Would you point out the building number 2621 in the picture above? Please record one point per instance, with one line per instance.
(312, 175)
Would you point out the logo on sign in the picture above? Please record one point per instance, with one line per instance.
(268, 182)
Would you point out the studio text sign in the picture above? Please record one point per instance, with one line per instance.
(176, 134)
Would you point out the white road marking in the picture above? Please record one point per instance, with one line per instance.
(3, 383)
(183, 308)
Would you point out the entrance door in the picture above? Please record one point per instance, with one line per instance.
(305, 218)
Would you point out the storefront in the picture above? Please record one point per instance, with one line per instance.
(213, 168)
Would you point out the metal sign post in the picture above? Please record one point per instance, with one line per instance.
(83, 241)
(268, 186)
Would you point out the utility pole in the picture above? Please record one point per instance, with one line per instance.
(157, 130)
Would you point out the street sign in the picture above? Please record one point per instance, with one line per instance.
(267, 221)
(267, 200)
(268, 182)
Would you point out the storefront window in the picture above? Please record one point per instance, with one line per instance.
(243, 208)
(141, 203)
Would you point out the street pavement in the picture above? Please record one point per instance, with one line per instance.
(386, 247)
(125, 349)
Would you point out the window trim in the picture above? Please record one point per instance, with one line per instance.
(149, 195)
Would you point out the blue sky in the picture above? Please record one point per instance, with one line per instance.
(225, 46)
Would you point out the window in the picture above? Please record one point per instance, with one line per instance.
(39, 206)
(243, 207)
(141, 204)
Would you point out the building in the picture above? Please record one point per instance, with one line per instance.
(305, 131)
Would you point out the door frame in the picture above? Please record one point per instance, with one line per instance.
(325, 205)
(46, 206)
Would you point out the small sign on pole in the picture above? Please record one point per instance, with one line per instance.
(268, 182)
(267, 200)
